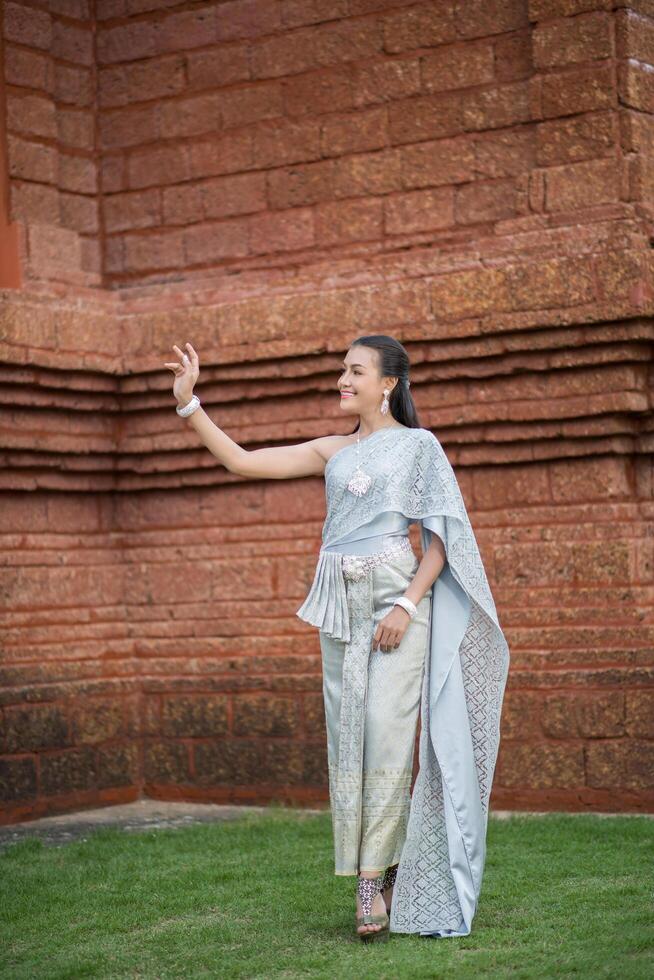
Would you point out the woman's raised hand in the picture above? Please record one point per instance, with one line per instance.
(186, 373)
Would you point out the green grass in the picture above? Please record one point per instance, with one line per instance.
(563, 895)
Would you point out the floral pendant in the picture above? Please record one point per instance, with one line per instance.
(359, 482)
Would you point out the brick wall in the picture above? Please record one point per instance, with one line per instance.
(475, 179)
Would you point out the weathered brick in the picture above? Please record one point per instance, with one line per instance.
(155, 251)
(572, 40)
(190, 117)
(266, 715)
(31, 114)
(281, 231)
(620, 764)
(457, 67)
(282, 142)
(17, 779)
(476, 18)
(231, 762)
(117, 765)
(160, 165)
(76, 128)
(197, 715)
(639, 713)
(238, 19)
(419, 210)
(166, 761)
(28, 68)
(127, 42)
(79, 212)
(635, 86)
(348, 221)
(422, 26)
(138, 209)
(72, 43)
(485, 201)
(29, 728)
(73, 85)
(304, 184)
(491, 108)
(592, 715)
(545, 765)
(96, 721)
(31, 161)
(367, 173)
(579, 185)
(578, 138)
(423, 118)
(569, 92)
(27, 25)
(62, 773)
(38, 202)
(129, 127)
(77, 173)
(217, 67)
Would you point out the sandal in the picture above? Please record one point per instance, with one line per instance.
(368, 889)
(388, 882)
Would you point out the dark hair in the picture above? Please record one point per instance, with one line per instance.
(393, 363)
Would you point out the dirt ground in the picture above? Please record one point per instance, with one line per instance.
(145, 814)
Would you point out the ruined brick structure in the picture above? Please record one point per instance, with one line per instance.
(269, 179)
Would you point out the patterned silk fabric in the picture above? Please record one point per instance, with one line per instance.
(466, 664)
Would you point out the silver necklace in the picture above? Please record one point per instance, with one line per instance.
(360, 481)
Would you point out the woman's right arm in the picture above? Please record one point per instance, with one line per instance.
(275, 463)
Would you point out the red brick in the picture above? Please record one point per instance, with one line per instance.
(218, 67)
(211, 243)
(111, 8)
(543, 9)
(569, 92)
(578, 138)
(275, 144)
(551, 282)
(182, 204)
(318, 92)
(592, 480)
(486, 201)
(243, 106)
(640, 713)
(185, 30)
(32, 161)
(383, 81)
(620, 764)
(502, 105)
(162, 165)
(513, 59)
(222, 154)
(304, 184)
(28, 68)
(419, 211)
(112, 174)
(432, 116)
(475, 18)
(27, 26)
(572, 40)
(422, 26)
(31, 114)
(297, 13)
(634, 37)
(282, 231)
(540, 765)
(72, 43)
(582, 185)
(521, 715)
(364, 130)
(348, 222)
(635, 86)
(237, 19)
(34, 202)
(79, 212)
(239, 194)
(128, 42)
(73, 85)
(508, 485)
(139, 209)
(157, 78)
(96, 721)
(470, 292)
(77, 174)
(368, 173)
(504, 154)
(597, 714)
(129, 127)
(190, 117)
(76, 128)
(49, 247)
(154, 251)
(458, 67)
(112, 87)
(448, 161)
(195, 716)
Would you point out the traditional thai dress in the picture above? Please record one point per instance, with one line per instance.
(449, 670)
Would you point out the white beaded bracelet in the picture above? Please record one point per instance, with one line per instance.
(189, 408)
(407, 605)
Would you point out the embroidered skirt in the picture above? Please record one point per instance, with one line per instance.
(372, 704)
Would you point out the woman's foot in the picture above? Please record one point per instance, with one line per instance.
(370, 904)
(387, 886)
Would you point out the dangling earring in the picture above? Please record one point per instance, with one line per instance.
(384, 404)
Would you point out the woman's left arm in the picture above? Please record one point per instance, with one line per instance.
(432, 564)
(393, 626)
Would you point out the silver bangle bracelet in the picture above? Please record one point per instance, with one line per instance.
(407, 605)
(189, 408)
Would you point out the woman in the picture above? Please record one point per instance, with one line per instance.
(400, 639)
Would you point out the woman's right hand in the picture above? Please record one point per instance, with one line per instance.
(186, 373)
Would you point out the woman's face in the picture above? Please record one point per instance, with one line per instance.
(360, 385)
